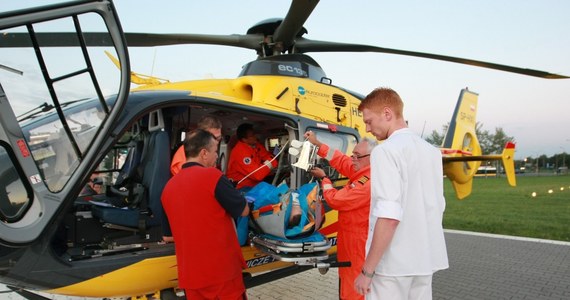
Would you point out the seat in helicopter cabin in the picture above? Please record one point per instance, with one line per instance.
(154, 169)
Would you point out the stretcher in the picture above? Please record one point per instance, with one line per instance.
(295, 251)
(286, 222)
(273, 233)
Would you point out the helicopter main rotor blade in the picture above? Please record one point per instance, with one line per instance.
(249, 41)
(100, 39)
(304, 45)
(298, 13)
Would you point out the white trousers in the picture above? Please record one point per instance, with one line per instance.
(400, 288)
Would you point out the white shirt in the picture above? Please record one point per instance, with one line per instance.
(407, 185)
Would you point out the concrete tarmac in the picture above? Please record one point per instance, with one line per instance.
(482, 266)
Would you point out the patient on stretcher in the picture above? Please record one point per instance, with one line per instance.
(281, 213)
(285, 213)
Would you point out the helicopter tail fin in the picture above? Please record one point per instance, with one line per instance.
(508, 159)
(460, 143)
(461, 151)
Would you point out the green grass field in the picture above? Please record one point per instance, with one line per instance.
(496, 207)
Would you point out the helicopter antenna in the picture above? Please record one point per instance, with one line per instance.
(153, 61)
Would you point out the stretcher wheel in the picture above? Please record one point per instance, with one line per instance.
(323, 271)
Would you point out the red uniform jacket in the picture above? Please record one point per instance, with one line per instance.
(244, 159)
(207, 247)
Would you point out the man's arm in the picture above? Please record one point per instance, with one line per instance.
(347, 199)
(384, 230)
(381, 238)
(178, 160)
(230, 198)
(266, 156)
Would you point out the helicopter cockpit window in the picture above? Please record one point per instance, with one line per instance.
(15, 198)
(55, 75)
(336, 141)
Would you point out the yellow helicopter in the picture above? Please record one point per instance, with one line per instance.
(58, 238)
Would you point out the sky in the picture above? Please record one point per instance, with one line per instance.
(524, 33)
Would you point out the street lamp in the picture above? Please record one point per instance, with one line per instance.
(536, 162)
(563, 156)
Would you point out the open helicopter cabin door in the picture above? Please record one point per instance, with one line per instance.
(48, 136)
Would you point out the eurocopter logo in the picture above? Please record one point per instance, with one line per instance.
(302, 91)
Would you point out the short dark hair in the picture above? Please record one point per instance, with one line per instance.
(197, 140)
(207, 122)
(243, 129)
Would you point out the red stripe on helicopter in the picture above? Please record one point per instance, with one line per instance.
(455, 151)
(329, 229)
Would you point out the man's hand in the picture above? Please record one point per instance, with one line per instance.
(268, 164)
(312, 138)
(362, 284)
(317, 172)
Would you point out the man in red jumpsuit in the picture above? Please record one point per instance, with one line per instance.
(201, 205)
(353, 205)
(247, 156)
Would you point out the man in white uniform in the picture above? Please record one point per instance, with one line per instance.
(405, 244)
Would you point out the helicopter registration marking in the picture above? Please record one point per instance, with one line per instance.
(356, 112)
(260, 261)
(467, 117)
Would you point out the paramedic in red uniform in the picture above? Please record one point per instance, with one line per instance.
(201, 205)
(247, 156)
(208, 123)
(353, 205)
(214, 126)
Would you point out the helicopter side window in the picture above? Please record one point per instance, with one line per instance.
(15, 197)
(345, 143)
(336, 141)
